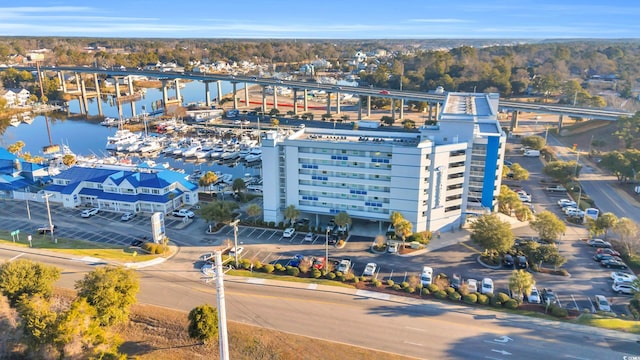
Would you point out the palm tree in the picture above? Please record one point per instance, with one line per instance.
(291, 213)
(238, 185)
(208, 179)
(254, 210)
(342, 220)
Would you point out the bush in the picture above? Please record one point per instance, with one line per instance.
(331, 275)
(404, 284)
(268, 268)
(557, 311)
(257, 266)
(450, 290)
(410, 289)
(440, 294)
(245, 264)
(425, 291)
(390, 282)
(377, 283)
(511, 304)
(470, 298)
(279, 268)
(293, 271)
(502, 297)
(433, 288)
(396, 287)
(483, 299)
(455, 296)
(316, 273)
(356, 280)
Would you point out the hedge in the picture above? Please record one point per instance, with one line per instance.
(483, 299)
(268, 268)
(455, 296)
(511, 304)
(470, 298)
(440, 294)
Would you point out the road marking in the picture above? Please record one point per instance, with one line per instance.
(412, 343)
(373, 295)
(503, 339)
(492, 358)
(501, 352)
(255, 281)
(15, 257)
(494, 343)
(576, 357)
(312, 286)
(412, 328)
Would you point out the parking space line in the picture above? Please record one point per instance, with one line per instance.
(252, 231)
(262, 233)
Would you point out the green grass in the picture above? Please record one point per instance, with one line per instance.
(274, 276)
(629, 326)
(79, 247)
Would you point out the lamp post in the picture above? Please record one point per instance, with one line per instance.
(576, 176)
(235, 238)
(326, 250)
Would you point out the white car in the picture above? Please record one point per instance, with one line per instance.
(534, 296)
(288, 232)
(309, 237)
(392, 248)
(127, 216)
(235, 251)
(618, 277)
(207, 269)
(566, 202)
(344, 266)
(524, 197)
(207, 256)
(472, 285)
(602, 303)
(487, 286)
(89, 212)
(183, 213)
(370, 269)
(624, 288)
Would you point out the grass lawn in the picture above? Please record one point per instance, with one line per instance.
(79, 248)
(630, 326)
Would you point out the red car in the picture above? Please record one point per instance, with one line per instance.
(384, 92)
(318, 263)
(607, 251)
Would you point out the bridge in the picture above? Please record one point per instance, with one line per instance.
(395, 95)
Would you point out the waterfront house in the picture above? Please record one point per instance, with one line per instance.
(18, 175)
(16, 97)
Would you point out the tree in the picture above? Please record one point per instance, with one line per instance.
(77, 329)
(523, 212)
(275, 122)
(16, 148)
(111, 290)
(343, 220)
(518, 172)
(535, 142)
(291, 213)
(548, 226)
(627, 231)
(209, 178)
(605, 222)
(507, 200)
(238, 185)
(492, 234)
(203, 323)
(25, 277)
(562, 170)
(557, 260)
(69, 160)
(38, 321)
(543, 254)
(253, 210)
(521, 282)
(395, 218)
(219, 211)
(403, 229)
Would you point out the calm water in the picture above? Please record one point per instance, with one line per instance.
(85, 138)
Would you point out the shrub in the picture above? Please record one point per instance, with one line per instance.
(331, 275)
(410, 289)
(378, 283)
(356, 280)
(450, 290)
(340, 243)
(511, 304)
(339, 273)
(454, 296)
(404, 284)
(483, 299)
(425, 291)
(268, 268)
(279, 268)
(316, 273)
(257, 265)
(245, 263)
(433, 288)
(557, 311)
(293, 271)
(390, 282)
(502, 297)
(470, 298)
(440, 294)
(396, 287)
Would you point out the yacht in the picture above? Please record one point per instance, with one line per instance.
(14, 121)
(122, 139)
(191, 151)
(150, 145)
(27, 119)
(255, 154)
(109, 121)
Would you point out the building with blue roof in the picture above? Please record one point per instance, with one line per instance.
(18, 175)
(123, 189)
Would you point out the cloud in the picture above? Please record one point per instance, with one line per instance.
(442, 21)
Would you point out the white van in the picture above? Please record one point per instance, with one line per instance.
(532, 153)
(426, 278)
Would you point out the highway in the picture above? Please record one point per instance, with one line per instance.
(538, 108)
(412, 327)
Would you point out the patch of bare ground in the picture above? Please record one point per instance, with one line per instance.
(159, 333)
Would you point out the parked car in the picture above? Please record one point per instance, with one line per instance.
(524, 197)
(207, 269)
(566, 202)
(487, 286)
(309, 237)
(370, 269)
(613, 264)
(296, 259)
(426, 277)
(472, 285)
(138, 242)
(548, 296)
(624, 288)
(303, 222)
(206, 256)
(183, 213)
(534, 296)
(384, 92)
(89, 212)
(235, 251)
(601, 303)
(127, 216)
(46, 229)
(318, 263)
(456, 281)
(599, 243)
(618, 276)
(601, 257)
(507, 261)
(392, 248)
(608, 251)
(288, 232)
(521, 262)
(331, 225)
(344, 266)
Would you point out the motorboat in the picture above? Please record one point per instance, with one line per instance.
(121, 140)
(109, 121)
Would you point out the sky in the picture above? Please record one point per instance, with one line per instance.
(323, 19)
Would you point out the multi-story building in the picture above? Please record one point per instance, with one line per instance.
(434, 176)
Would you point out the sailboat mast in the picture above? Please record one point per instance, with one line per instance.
(46, 119)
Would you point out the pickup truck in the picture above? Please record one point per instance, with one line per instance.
(183, 213)
(556, 188)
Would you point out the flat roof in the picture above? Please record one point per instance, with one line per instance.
(365, 137)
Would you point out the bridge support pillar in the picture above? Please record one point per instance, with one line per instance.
(401, 109)
(275, 97)
(77, 77)
(178, 97)
(328, 103)
(83, 92)
(338, 103)
(219, 96)
(435, 116)
(560, 119)
(359, 108)
(130, 83)
(264, 100)
(305, 102)
(235, 94)
(98, 94)
(246, 95)
(368, 106)
(295, 101)
(514, 120)
(62, 82)
(207, 94)
(393, 110)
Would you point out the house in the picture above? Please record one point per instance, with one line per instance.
(18, 175)
(123, 189)
(16, 97)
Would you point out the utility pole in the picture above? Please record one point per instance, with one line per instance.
(235, 238)
(222, 309)
(326, 250)
(46, 199)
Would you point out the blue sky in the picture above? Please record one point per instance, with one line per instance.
(324, 19)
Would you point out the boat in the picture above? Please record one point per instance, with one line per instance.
(255, 154)
(201, 154)
(27, 119)
(121, 140)
(230, 155)
(109, 121)
(14, 121)
(191, 151)
(224, 178)
(150, 145)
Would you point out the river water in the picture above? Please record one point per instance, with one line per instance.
(89, 138)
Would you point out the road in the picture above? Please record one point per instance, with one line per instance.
(412, 327)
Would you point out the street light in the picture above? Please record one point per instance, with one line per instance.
(326, 250)
(46, 199)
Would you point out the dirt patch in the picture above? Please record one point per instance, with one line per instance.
(603, 138)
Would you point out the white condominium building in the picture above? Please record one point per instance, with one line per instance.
(434, 176)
